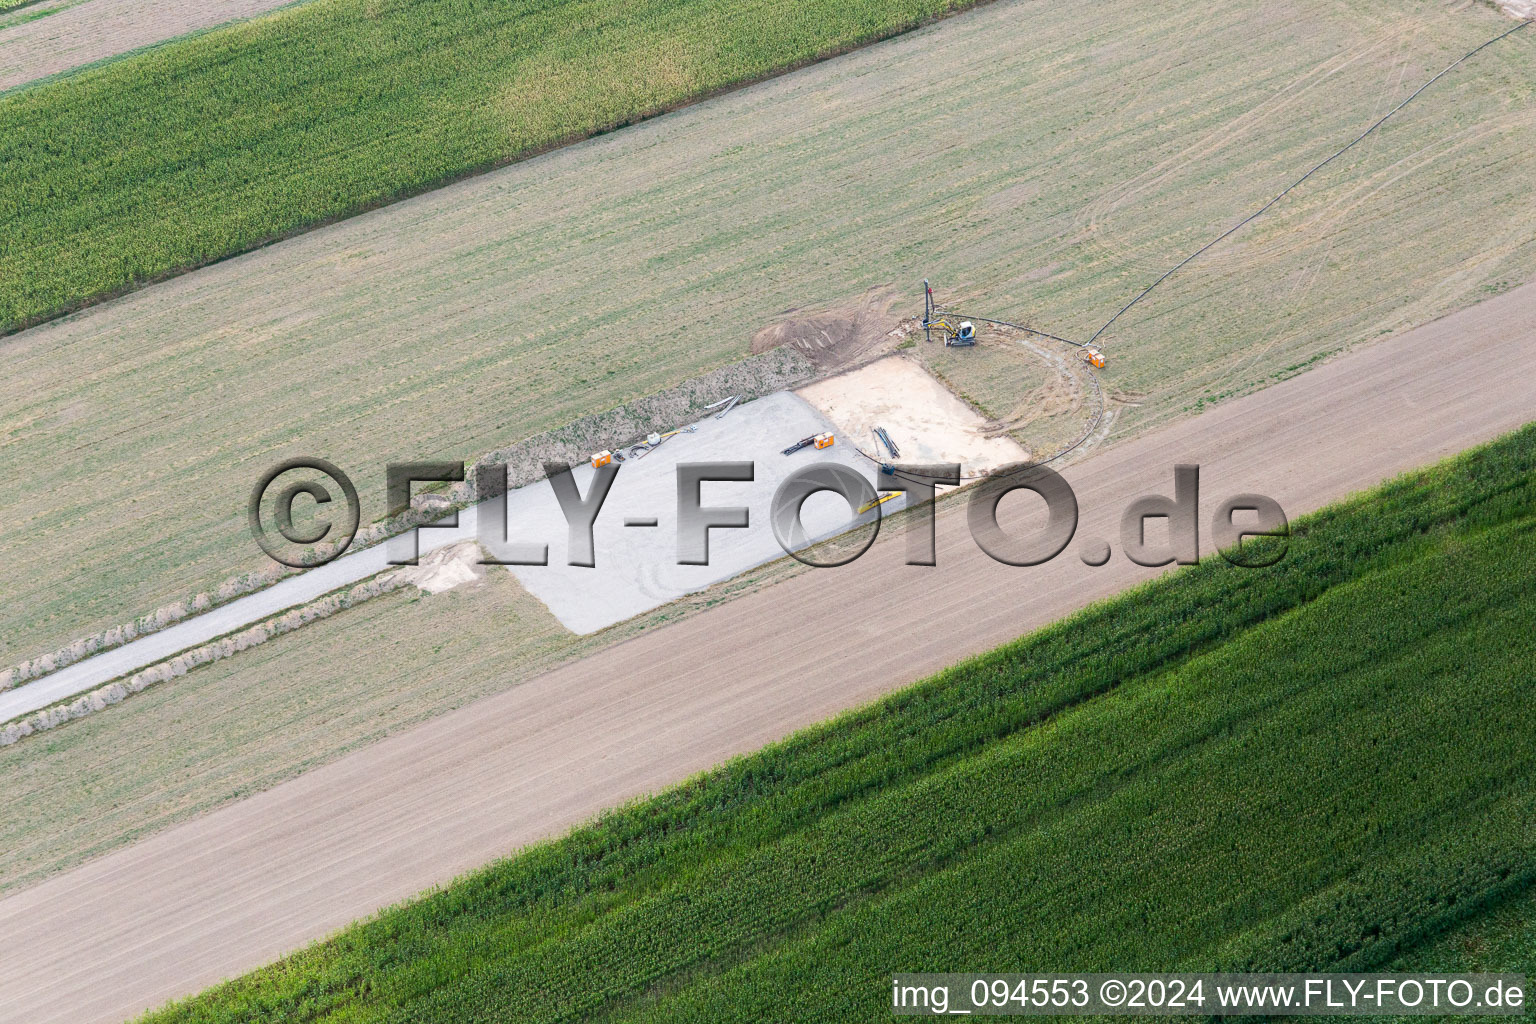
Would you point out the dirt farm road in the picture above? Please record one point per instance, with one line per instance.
(244, 884)
(75, 34)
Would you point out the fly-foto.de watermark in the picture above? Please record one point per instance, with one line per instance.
(1249, 530)
(1208, 995)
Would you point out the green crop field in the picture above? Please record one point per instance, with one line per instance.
(1323, 765)
(1501, 936)
(1038, 160)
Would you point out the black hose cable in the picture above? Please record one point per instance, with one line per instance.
(1304, 177)
(1098, 414)
(1017, 327)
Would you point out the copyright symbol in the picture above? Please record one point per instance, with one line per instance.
(282, 513)
(1112, 992)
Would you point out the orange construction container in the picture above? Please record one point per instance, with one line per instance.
(824, 440)
(601, 459)
(1093, 356)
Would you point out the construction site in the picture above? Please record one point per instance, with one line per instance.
(870, 409)
(879, 410)
(411, 775)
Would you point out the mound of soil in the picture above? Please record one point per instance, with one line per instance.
(445, 568)
(839, 337)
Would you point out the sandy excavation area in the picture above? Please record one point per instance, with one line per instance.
(925, 419)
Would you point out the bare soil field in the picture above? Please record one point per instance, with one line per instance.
(242, 884)
(1062, 155)
(55, 36)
